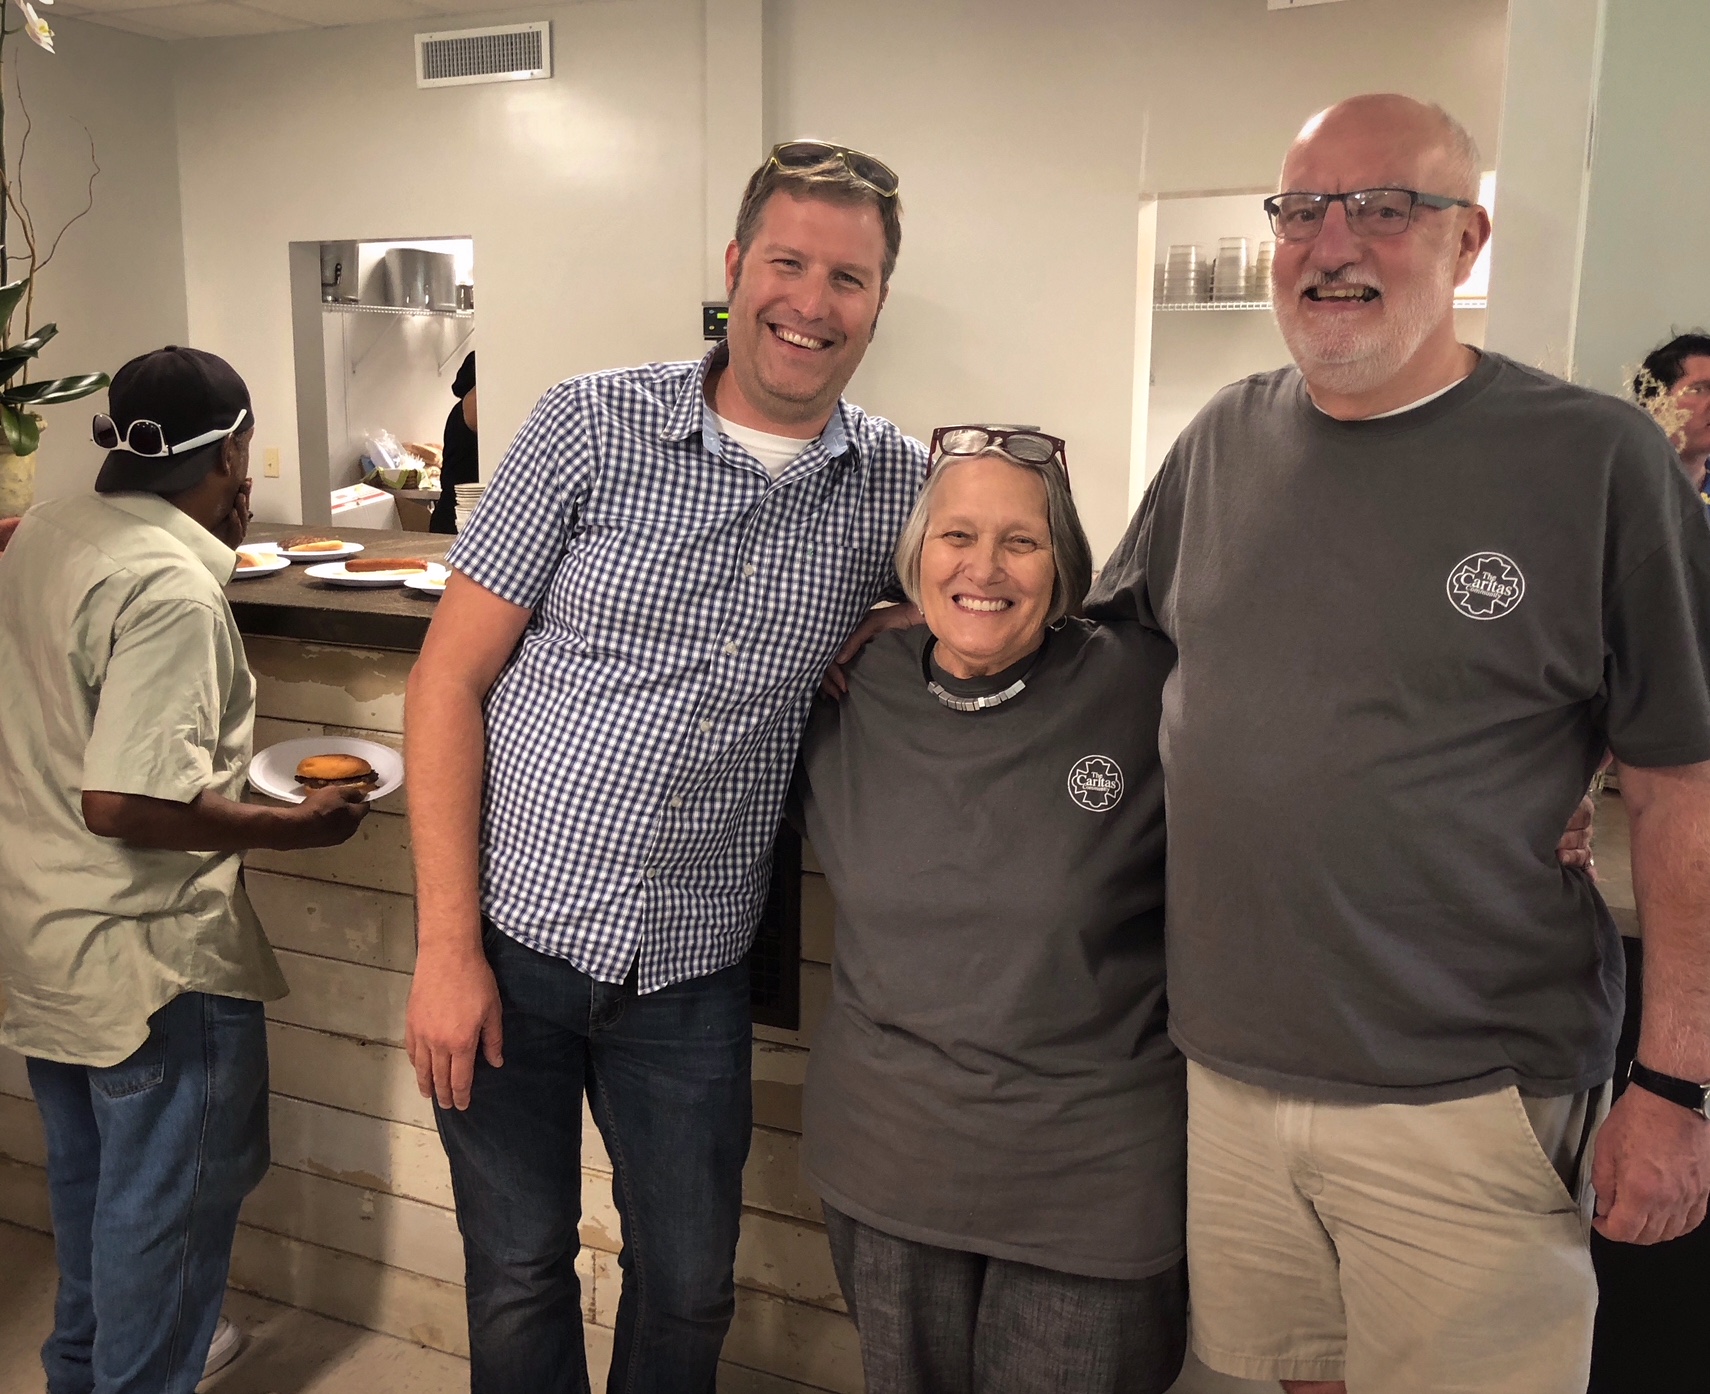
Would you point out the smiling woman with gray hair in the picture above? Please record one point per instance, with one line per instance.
(994, 1115)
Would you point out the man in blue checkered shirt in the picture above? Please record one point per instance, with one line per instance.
(601, 729)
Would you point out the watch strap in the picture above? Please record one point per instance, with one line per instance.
(1677, 1091)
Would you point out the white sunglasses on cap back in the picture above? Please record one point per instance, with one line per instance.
(148, 438)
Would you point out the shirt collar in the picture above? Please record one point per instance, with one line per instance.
(220, 560)
(691, 412)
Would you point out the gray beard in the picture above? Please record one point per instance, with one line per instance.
(1349, 365)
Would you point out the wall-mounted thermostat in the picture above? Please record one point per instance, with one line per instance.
(715, 319)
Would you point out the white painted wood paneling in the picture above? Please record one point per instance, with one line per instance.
(376, 929)
(388, 1229)
(343, 998)
(351, 1288)
(377, 857)
(24, 1195)
(362, 1076)
(14, 1076)
(21, 1136)
(362, 688)
(373, 1153)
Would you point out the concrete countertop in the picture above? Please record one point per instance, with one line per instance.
(290, 605)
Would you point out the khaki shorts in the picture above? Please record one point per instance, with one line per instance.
(1399, 1247)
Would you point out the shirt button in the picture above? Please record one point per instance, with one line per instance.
(652, 872)
(748, 570)
(676, 803)
(730, 647)
(706, 727)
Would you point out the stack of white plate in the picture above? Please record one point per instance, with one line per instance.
(1187, 275)
(1233, 264)
(468, 495)
(1259, 278)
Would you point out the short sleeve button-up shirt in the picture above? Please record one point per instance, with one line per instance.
(121, 669)
(641, 740)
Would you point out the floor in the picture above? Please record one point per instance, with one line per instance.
(296, 1352)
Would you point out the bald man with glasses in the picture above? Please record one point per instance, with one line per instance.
(1417, 591)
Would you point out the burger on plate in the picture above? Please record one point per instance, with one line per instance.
(336, 771)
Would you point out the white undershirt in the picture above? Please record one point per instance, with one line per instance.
(776, 453)
(1411, 406)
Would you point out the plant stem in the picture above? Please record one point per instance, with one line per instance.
(3, 256)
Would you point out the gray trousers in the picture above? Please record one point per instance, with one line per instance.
(944, 1321)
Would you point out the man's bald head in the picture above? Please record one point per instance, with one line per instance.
(1424, 145)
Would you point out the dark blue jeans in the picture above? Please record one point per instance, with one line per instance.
(667, 1078)
(148, 1162)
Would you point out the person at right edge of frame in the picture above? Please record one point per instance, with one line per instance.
(1417, 591)
(601, 731)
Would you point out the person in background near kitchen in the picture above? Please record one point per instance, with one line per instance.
(1679, 372)
(8, 526)
(994, 1114)
(600, 732)
(133, 966)
(1467, 581)
(460, 460)
(1651, 1299)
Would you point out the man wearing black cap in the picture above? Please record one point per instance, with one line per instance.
(134, 968)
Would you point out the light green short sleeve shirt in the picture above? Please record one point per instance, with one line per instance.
(121, 669)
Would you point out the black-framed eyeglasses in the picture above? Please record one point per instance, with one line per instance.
(1022, 444)
(148, 438)
(1297, 217)
(799, 156)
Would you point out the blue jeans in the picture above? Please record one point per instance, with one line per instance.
(667, 1078)
(148, 1162)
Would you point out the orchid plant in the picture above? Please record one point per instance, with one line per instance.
(19, 424)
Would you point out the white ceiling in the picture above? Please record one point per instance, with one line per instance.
(222, 19)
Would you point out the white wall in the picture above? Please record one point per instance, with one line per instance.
(583, 195)
(1647, 230)
(116, 288)
(1024, 135)
(391, 373)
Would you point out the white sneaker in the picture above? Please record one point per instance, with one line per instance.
(227, 1342)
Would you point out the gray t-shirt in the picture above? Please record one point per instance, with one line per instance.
(1404, 644)
(994, 1074)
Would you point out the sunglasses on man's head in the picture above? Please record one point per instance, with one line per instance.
(148, 438)
(1022, 444)
(800, 156)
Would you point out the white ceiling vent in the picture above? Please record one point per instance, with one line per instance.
(503, 53)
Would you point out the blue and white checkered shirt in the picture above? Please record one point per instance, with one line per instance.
(641, 739)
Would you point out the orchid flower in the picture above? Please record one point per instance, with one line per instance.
(35, 26)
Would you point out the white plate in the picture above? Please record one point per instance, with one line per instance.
(429, 584)
(334, 572)
(274, 771)
(268, 563)
(345, 549)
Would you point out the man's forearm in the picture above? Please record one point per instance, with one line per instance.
(208, 823)
(445, 751)
(1670, 814)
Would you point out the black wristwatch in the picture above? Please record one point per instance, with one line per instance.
(1684, 1092)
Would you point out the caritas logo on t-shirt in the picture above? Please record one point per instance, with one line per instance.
(1485, 586)
(1095, 783)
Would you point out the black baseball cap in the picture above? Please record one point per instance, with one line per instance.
(188, 393)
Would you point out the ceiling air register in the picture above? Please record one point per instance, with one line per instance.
(501, 53)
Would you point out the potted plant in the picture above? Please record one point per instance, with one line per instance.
(20, 425)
